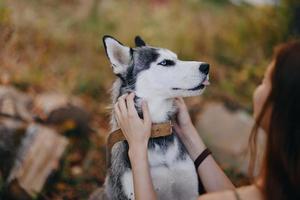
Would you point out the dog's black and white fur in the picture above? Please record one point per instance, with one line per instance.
(158, 76)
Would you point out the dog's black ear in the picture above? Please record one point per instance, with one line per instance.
(118, 54)
(139, 42)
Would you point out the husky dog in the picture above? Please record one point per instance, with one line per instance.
(158, 76)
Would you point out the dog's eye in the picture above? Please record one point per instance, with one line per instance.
(167, 63)
(163, 63)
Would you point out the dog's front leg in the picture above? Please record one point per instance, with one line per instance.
(127, 183)
(120, 165)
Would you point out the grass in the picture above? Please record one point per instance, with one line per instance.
(60, 41)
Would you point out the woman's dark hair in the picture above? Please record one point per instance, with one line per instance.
(281, 163)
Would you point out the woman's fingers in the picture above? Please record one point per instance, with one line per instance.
(125, 108)
(130, 105)
(117, 112)
(180, 103)
(120, 119)
(146, 113)
(181, 100)
(122, 105)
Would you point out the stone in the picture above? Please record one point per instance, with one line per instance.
(226, 133)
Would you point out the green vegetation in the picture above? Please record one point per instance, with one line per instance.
(56, 45)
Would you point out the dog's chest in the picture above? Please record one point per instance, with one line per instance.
(163, 153)
(173, 176)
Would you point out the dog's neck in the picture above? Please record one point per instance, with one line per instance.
(161, 109)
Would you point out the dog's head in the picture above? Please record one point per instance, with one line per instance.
(152, 71)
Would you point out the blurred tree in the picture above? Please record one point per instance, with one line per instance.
(294, 7)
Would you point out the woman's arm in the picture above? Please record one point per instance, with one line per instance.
(143, 186)
(212, 176)
(130, 122)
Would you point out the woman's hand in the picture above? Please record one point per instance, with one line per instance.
(183, 116)
(186, 130)
(212, 176)
(137, 131)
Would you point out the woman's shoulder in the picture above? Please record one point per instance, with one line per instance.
(245, 193)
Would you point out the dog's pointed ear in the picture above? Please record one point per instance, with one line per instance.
(139, 42)
(118, 54)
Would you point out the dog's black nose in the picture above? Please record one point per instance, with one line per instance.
(204, 68)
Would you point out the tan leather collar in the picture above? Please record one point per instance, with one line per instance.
(157, 130)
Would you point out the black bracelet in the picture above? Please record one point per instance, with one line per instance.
(201, 157)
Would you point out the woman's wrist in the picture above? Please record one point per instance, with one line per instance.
(193, 141)
(137, 151)
(187, 124)
(195, 147)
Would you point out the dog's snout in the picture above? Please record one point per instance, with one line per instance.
(204, 68)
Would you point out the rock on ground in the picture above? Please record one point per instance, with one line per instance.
(226, 133)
